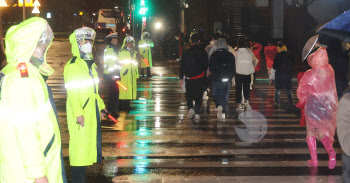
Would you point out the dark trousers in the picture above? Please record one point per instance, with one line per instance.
(78, 174)
(242, 80)
(221, 93)
(194, 92)
(125, 105)
(346, 168)
(148, 71)
(113, 99)
(278, 96)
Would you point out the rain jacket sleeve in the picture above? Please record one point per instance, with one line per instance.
(304, 89)
(73, 93)
(22, 100)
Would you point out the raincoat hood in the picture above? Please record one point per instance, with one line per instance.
(28, 43)
(128, 38)
(318, 58)
(280, 49)
(78, 35)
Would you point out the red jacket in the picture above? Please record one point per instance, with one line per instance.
(256, 51)
(270, 54)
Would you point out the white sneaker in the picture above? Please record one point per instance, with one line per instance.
(205, 95)
(219, 113)
(190, 113)
(249, 108)
(196, 116)
(223, 116)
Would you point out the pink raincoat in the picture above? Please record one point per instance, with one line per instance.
(256, 51)
(317, 94)
(270, 54)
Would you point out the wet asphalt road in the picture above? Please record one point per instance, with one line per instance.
(155, 142)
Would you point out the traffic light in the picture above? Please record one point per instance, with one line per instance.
(143, 7)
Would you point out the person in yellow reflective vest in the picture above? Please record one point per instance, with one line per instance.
(30, 140)
(84, 105)
(145, 46)
(112, 73)
(128, 59)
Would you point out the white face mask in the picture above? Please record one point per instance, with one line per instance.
(86, 48)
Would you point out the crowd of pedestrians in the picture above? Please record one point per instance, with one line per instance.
(228, 66)
(32, 140)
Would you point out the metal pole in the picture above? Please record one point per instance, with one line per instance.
(24, 10)
(182, 16)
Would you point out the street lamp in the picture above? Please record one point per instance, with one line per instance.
(3, 3)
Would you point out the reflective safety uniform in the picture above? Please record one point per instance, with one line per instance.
(128, 73)
(110, 59)
(30, 140)
(145, 46)
(83, 100)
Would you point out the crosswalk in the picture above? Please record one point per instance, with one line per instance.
(155, 142)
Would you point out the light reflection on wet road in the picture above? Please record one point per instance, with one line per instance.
(156, 143)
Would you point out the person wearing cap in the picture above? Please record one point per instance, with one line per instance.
(84, 105)
(30, 140)
(193, 66)
(128, 60)
(111, 73)
(145, 46)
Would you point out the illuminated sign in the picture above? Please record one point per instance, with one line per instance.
(29, 3)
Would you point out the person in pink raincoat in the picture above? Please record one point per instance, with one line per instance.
(318, 96)
(270, 53)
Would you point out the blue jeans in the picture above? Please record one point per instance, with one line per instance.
(221, 93)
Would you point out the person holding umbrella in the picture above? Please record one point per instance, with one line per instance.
(318, 98)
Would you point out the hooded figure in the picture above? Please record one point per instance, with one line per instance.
(83, 104)
(145, 46)
(318, 96)
(128, 72)
(30, 140)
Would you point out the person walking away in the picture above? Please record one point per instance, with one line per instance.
(222, 66)
(339, 62)
(318, 96)
(145, 46)
(111, 73)
(128, 59)
(343, 125)
(210, 49)
(84, 105)
(245, 64)
(193, 65)
(256, 50)
(283, 65)
(174, 44)
(30, 140)
(270, 53)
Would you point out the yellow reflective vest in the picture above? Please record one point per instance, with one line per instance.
(30, 140)
(145, 46)
(128, 74)
(110, 61)
(82, 99)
